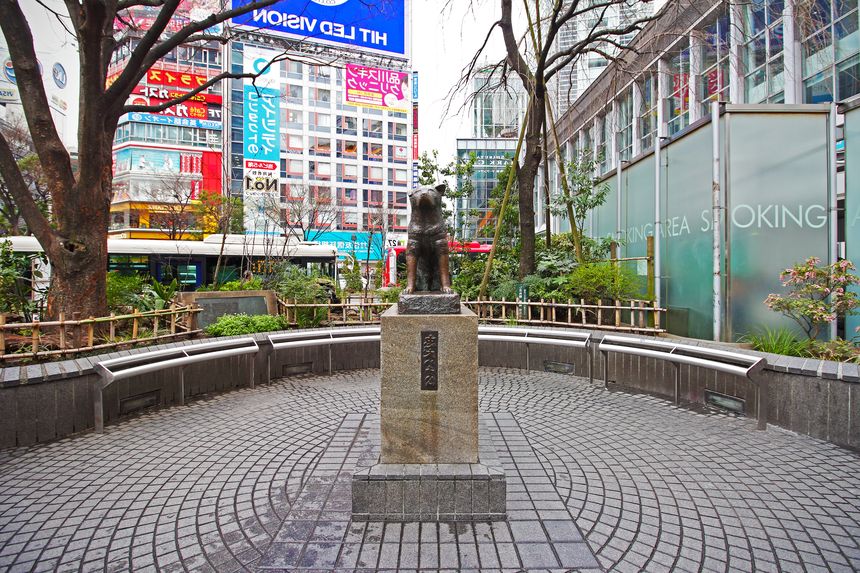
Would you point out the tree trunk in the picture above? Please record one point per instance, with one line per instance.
(79, 257)
(526, 185)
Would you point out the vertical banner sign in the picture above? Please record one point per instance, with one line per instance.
(415, 116)
(261, 145)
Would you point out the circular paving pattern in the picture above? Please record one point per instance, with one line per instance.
(653, 488)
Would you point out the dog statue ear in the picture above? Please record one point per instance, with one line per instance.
(441, 188)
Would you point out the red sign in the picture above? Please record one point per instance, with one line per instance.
(212, 171)
(251, 164)
(175, 79)
(166, 94)
(415, 145)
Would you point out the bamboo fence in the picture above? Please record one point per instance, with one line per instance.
(623, 316)
(62, 337)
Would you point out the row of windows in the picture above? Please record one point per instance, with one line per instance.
(829, 32)
(168, 135)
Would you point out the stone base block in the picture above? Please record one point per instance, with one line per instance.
(429, 492)
(429, 388)
(429, 303)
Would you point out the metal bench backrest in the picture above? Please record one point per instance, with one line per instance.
(315, 338)
(145, 362)
(577, 339)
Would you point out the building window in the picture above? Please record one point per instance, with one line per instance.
(397, 131)
(347, 148)
(349, 220)
(602, 140)
(294, 70)
(348, 196)
(831, 50)
(625, 126)
(715, 78)
(347, 125)
(372, 151)
(679, 99)
(372, 128)
(348, 173)
(397, 177)
(763, 65)
(373, 175)
(320, 146)
(294, 143)
(647, 112)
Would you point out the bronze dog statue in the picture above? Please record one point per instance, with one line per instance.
(427, 243)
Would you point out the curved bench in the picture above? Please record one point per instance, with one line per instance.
(546, 336)
(120, 368)
(743, 365)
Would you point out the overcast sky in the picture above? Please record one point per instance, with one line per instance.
(442, 44)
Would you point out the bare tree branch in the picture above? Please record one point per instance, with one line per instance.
(38, 223)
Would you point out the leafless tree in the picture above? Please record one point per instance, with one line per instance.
(75, 241)
(536, 57)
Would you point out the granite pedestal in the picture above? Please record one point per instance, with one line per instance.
(429, 422)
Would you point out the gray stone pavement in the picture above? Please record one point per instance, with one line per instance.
(651, 487)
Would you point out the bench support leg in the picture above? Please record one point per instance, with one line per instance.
(761, 402)
(589, 355)
(182, 386)
(528, 358)
(253, 357)
(98, 408)
(677, 384)
(605, 369)
(329, 360)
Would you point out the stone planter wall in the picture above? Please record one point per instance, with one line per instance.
(41, 403)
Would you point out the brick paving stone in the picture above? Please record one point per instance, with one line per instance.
(208, 487)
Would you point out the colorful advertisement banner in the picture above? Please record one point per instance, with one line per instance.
(167, 94)
(261, 144)
(188, 108)
(159, 161)
(171, 120)
(377, 88)
(182, 80)
(354, 243)
(377, 25)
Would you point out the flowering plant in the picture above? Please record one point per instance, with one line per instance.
(817, 294)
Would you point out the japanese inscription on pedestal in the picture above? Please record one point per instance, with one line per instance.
(429, 360)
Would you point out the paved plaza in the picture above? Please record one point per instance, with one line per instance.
(229, 483)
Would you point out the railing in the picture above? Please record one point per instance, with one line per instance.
(332, 314)
(622, 316)
(32, 340)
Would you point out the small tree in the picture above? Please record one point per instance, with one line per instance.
(817, 295)
(582, 195)
(430, 172)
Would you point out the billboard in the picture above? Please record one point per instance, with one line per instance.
(354, 243)
(377, 25)
(187, 108)
(261, 145)
(182, 80)
(377, 88)
(159, 161)
(171, 120)
(164, 94)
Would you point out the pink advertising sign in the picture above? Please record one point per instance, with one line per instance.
(378, 88)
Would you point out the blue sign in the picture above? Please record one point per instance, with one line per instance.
(370, 24)
(171, 120)
(9, 70)
(353, 243)
(59, 74)
(414, 87)
(262, 124)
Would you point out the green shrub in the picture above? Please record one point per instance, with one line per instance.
(127, 292)
(777, 341)
(592, 281)
(391, 294)
(236, 324)
(253, 284)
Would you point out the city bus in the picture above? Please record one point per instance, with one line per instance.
(394, 269)
(193, 263)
